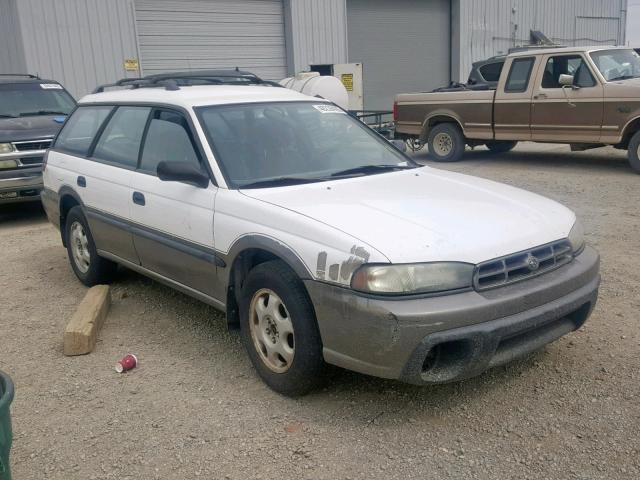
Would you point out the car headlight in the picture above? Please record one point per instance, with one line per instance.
(6, 148)
(412, 278)
(576, 237)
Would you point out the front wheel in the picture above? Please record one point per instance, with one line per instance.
(633, 152)
(279, 330)
(446, 143)
(501, 146)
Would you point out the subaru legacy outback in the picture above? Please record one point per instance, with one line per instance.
(320, 239)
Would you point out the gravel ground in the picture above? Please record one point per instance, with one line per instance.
(195, 408)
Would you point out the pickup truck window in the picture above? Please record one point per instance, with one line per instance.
(573, 65)
(491, 71)
(618, 64)
(519, 74)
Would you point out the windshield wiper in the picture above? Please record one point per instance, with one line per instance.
(623, 77)
(42, 112)
(365, 169)
(280, 182)
(4, 115)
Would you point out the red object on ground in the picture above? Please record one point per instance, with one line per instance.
(127, 363)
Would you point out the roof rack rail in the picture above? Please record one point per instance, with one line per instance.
(25, 75)
(175, 80)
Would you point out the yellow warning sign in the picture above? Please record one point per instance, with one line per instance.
(131, 65)
(347, 81)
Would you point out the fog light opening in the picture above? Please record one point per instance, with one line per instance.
(431, 360)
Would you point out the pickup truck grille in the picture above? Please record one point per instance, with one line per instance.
(522, 265)
(42, 144)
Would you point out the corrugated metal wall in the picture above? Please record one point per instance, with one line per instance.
(80, 43)
(491, 27)
(11, 51)
(316, 33)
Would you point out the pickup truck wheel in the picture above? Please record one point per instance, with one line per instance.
(90, 268)
(446, 143)
(501, 146)
(633, 153)
(279, 330)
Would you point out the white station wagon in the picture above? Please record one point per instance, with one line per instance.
(320, 240)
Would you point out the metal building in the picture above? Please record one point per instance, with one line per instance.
(403, 45)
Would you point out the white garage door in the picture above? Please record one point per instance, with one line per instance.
(199, 34)
(403, 45)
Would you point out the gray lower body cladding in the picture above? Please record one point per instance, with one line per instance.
(447, 338)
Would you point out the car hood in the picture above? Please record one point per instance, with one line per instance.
(29, 128)
(425, 214)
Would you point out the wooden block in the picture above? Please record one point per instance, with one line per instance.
(82, 330)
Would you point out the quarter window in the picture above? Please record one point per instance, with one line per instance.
(519, 74)
(168, 140)
(78, 132)
(120, 141)
(573, 65)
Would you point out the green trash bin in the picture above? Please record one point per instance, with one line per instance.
(6, 396)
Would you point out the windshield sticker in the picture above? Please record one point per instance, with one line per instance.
(328, 108)
(51, 86)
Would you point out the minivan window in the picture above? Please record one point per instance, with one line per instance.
(34, 99)
(78, 132)
(168, 139)
(120, 141)
(519, 74)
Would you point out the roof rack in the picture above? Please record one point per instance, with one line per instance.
(175, 80)
(25, 75)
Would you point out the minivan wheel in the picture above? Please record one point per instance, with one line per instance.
(279, 330)
(90, 268)
(501, 146)
(633, 152)
(446, 143)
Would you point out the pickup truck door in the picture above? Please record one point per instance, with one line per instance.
(512, 107)
(570, 113)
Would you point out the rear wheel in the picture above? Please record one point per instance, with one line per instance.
(501, 146)
(446, 143)
(279, 330)
(633, 152)
(90, 268)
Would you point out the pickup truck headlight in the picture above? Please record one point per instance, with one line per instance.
(412, 278)
(6, 148)
(576, 237)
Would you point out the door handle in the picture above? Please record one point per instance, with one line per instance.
(82, 182)
(138, 198)
(540, 95)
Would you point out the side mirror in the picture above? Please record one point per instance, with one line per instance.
(566, 80)
(399, 144)
(182, 172)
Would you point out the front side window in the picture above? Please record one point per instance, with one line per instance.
(78, 132)
(573, 65)
(168, 140)
(120, 141)
(293, 142)
(617, 64)
(34, 99)
(519, 74)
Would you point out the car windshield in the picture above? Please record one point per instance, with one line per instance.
(30, 99)
(271, 144)
(618, 64)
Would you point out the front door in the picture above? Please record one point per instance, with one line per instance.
(566, 113)
(173, 221)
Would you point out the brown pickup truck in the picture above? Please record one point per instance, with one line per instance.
(586, 97)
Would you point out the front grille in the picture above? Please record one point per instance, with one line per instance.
(42, 144)
(31, 161)
(522, 265)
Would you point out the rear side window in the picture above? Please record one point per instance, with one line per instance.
(78, 132)
(491, 71)
(120, 141)
(519, 74)
(168, 140)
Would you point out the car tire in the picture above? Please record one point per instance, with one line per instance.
(279, 330)
(89, 267)
(633, 152)
(446, 142)
(501, 146)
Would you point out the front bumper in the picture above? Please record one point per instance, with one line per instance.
(20, 185)
(446, 338)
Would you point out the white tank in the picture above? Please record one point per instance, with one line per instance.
(315, 85)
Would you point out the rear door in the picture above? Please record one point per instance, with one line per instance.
(173, 232)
